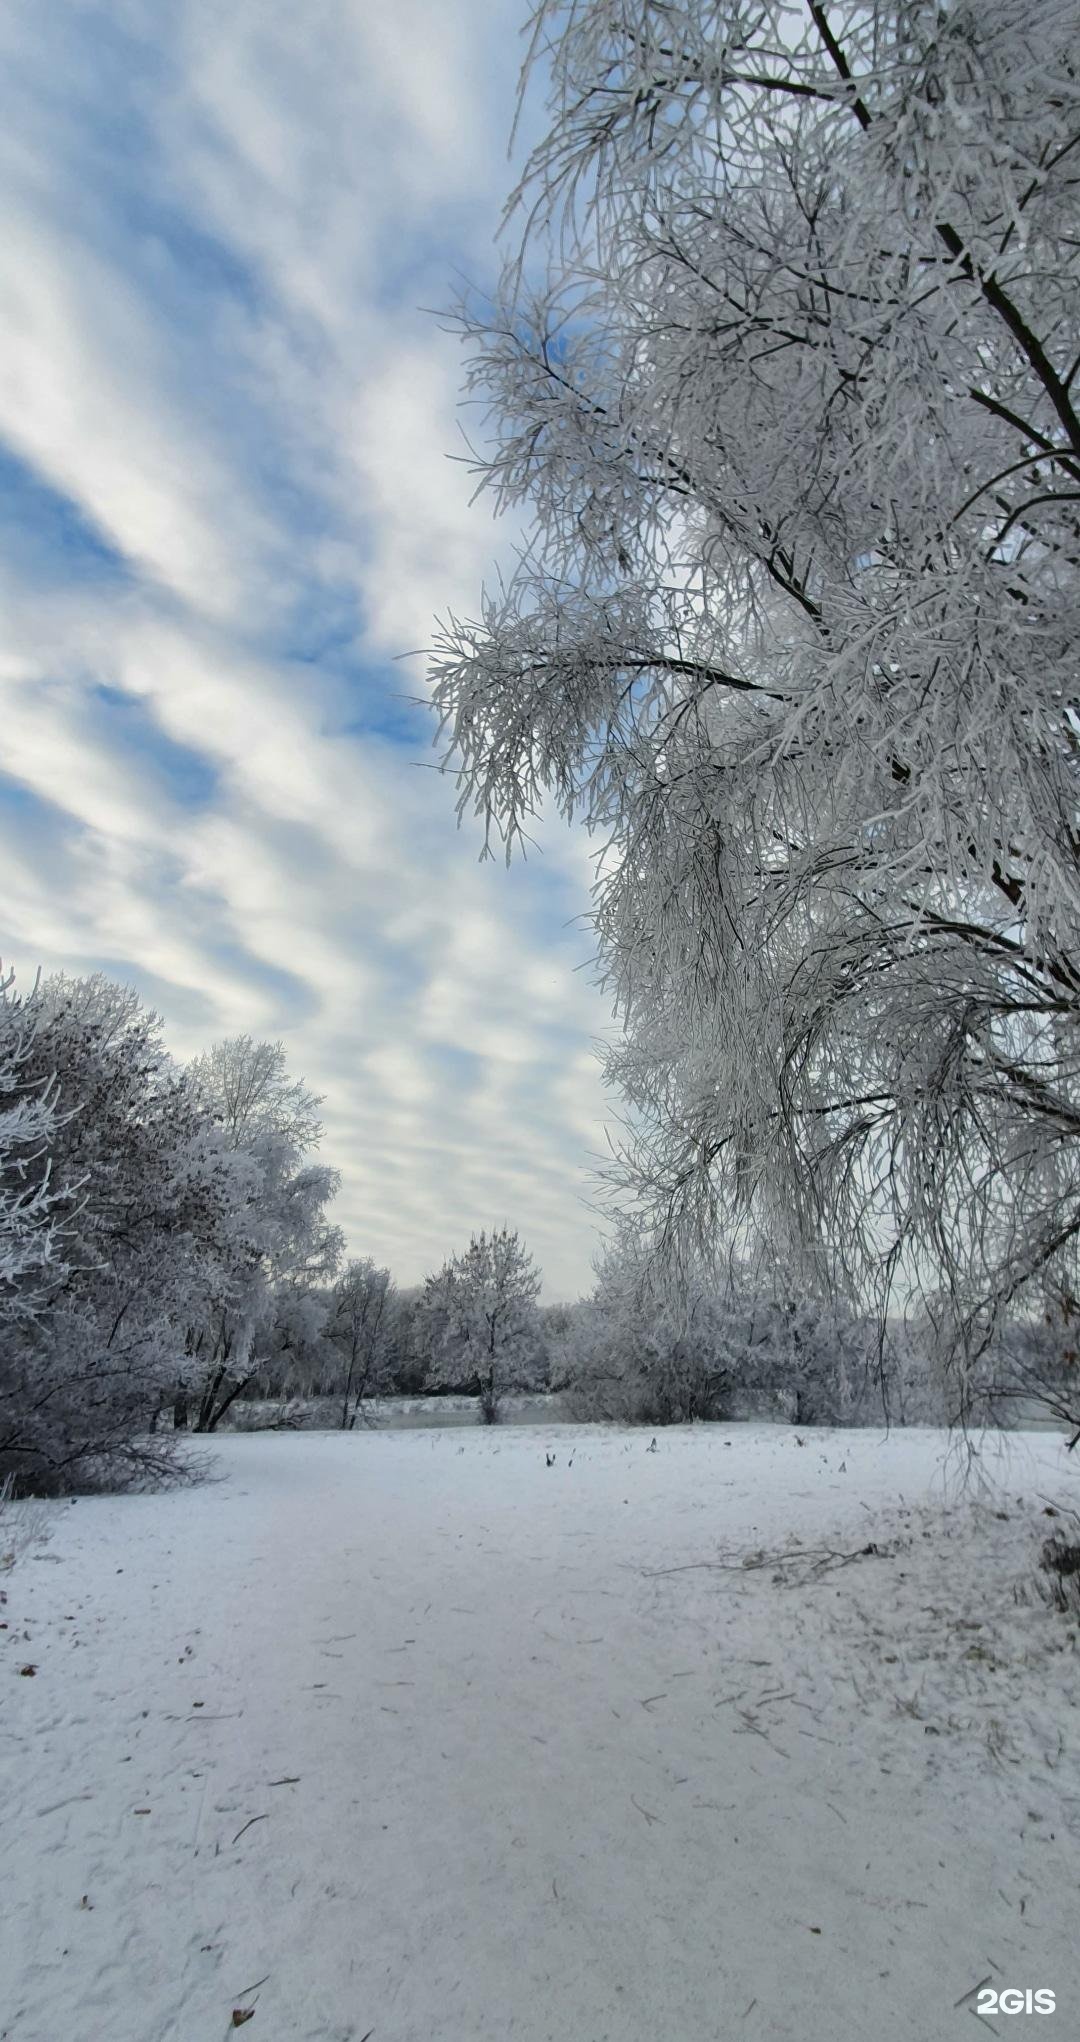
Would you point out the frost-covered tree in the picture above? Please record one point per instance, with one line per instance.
(650, 1346)
(136, 1179)
(295, 1356)
(1034, 1366)
(358, 1327)
(416, 1333)
(153, 1222)
(31, 1203)
(254, 1098)
(559, 1325)
(784, 382)
(484, 1304)
(280, 1234)
(662, 1342)
(397, 1373)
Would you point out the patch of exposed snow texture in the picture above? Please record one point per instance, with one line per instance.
(427, 1736)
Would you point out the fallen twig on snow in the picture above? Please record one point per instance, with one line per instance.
(751, 1724)
(806, 1562)
(247, 1825)
(971, 1992)
(252, 1988)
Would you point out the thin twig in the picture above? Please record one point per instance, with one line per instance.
(247, 1825)
(252, 1988)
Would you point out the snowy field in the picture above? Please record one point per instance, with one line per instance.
(414, 1737)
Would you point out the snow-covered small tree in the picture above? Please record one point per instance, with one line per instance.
(280, 1232)
(559, 1325)
(486, 1303)
(296, 1358)
(824, 1358)
(413, 1340)
(358, 1327)
(660, 1343)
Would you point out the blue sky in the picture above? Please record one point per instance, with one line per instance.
(227, 509)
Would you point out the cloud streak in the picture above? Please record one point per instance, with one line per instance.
(225, 426)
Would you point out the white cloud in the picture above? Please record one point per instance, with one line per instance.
(271, 461)
(86, 400)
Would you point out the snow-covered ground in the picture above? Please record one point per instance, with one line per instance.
(413, 1736)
